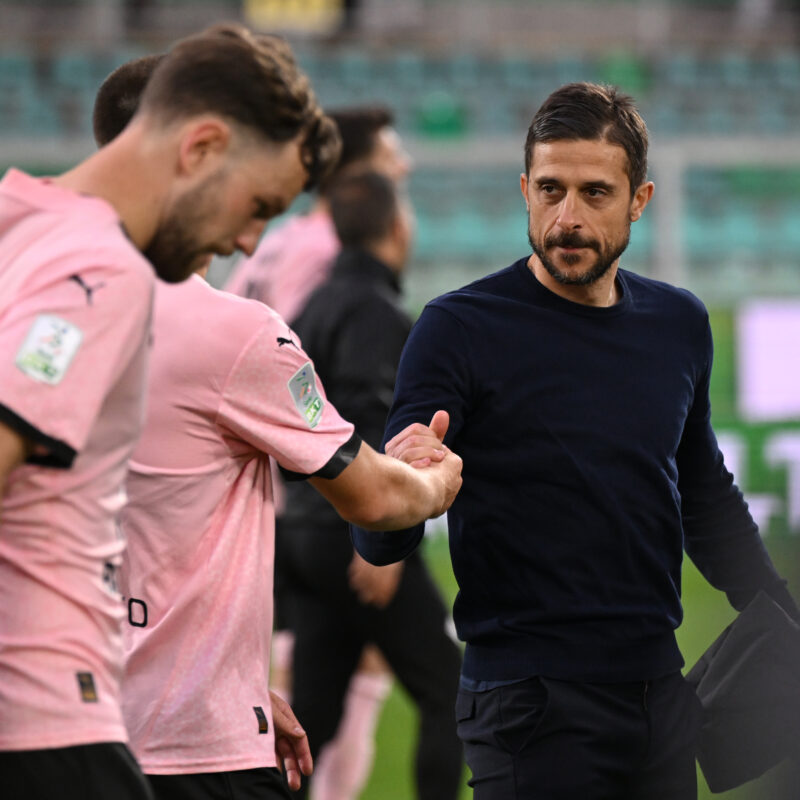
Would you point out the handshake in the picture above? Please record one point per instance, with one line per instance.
(422, 446)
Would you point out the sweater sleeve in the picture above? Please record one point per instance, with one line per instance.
(433, 374)
(720, 535)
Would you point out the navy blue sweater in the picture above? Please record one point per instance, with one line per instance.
(589, 465)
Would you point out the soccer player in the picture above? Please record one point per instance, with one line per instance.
(578, 395)
(289, 263)
(230, 390)
(354, 328)
(227, 135)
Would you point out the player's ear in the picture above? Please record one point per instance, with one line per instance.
(204, 142)
(641, 197)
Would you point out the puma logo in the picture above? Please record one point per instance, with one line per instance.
(90, 290)
(282, 341)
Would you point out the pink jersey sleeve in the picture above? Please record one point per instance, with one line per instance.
(64, 345)
(274, 400)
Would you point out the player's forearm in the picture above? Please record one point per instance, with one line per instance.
(381, 493)
(402, 497)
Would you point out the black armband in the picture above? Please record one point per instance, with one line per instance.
(335, 464)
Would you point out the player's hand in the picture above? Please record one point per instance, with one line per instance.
(291, 742)
(421, 445)
(375, 586)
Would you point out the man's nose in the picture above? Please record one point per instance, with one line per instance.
(249, 237)
(569, 212)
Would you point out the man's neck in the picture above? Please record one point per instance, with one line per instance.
(129, 179)
(602, 293)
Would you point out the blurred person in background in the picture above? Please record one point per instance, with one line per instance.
(578, 397)
(289, 263)
(198, 173)
(353, 328)
(229, 391)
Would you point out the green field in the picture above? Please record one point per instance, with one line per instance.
(706, 610)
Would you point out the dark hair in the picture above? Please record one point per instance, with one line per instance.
(253, 81)
(363, 207)
(590, 111)
(358, 128)
(119, 96)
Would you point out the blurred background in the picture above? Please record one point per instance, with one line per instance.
(718, 82)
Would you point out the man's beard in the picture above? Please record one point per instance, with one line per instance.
(174, 251)
(603, 263)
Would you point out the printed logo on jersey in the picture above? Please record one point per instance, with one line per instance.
(263, 725)
(303, 389)
(49, 348)
(86, 685)
(89, 290)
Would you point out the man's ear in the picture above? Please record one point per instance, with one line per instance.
(523, 185)
(641, 197)
(203, 144)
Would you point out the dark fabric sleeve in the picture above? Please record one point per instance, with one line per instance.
(47, 451)
(721, 537)
(433, 374)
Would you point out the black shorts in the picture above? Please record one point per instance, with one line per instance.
(83, 772)
(261, 783)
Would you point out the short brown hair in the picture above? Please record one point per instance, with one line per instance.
(364, 206)
(253, 81)
(594, 112)
(119, 95)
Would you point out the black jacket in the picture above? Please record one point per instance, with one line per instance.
(749, 684)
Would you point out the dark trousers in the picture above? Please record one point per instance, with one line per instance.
(544, 739)
(263, 783)
(83, 772)
(331, 628)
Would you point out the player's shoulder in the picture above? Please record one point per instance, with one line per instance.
(501, 284)
(664, 295)
(299, 234)
(220, 329)
(197, 299)
(104, 257)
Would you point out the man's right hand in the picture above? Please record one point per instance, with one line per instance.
(421, 445)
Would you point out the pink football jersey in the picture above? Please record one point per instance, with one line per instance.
(289, 263)
(75, 312)
(230, 390)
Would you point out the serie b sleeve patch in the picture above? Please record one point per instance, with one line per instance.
(49, 348)
(303, 389)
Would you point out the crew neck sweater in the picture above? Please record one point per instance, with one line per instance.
(590, 465)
